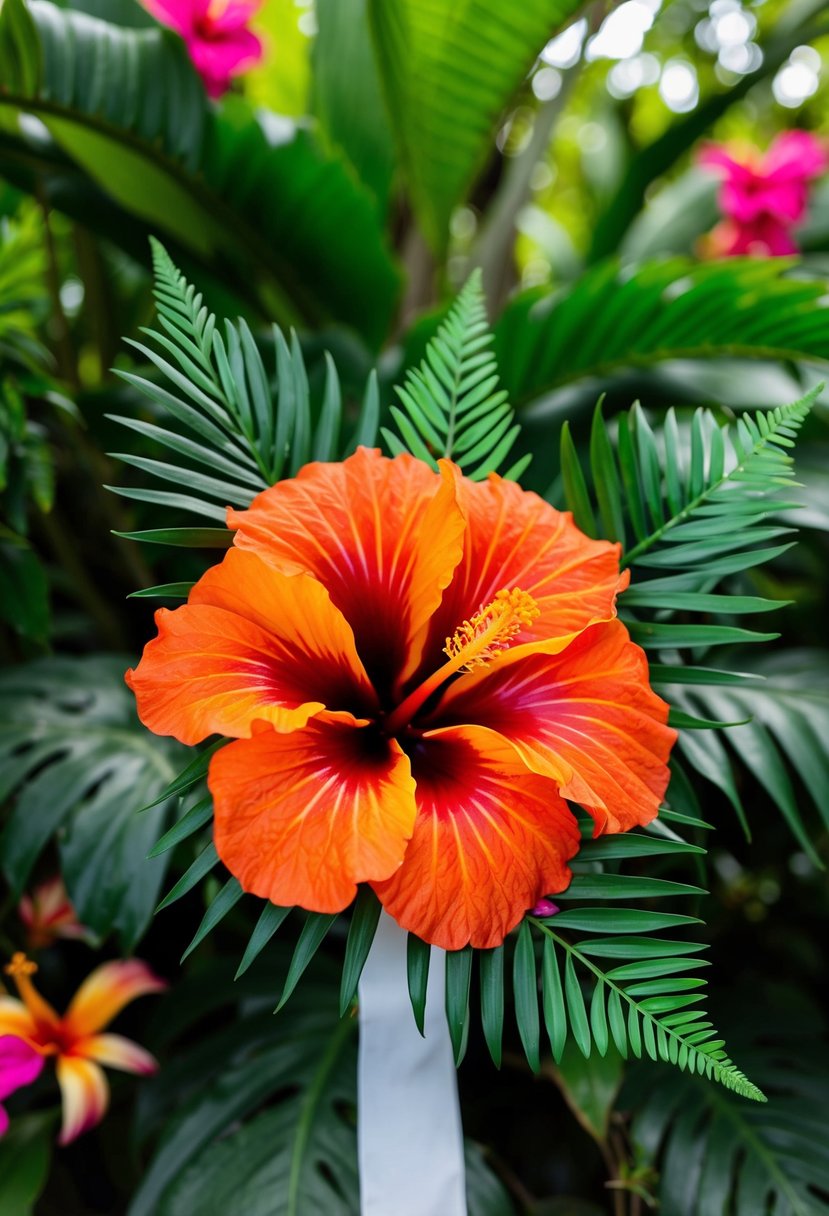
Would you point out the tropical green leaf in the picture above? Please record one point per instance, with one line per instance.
(449, 71)
(294, 230)
(361, 932)
(347, 97)
(25, 1158)
(452, 405)
(225, 412)
(80, 766)
(749, 1158)
(696, 519)
(273, 1131)
(646, 1002)
(23, 301)
(785, 744)
(613, 318)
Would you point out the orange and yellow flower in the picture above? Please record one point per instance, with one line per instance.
(75, 1041)
(417, 671)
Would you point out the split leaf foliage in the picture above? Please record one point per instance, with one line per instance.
(274, 1132)
(78, 765)
(716, 1154)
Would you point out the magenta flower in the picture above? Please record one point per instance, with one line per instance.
(216, 35)
(20, 1064)
(762, 197)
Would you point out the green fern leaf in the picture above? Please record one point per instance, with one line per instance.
(220, 409)
(451, 405)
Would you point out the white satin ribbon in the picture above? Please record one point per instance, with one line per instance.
(409, 1135)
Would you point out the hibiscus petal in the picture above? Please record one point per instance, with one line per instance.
(15, 1018)
(105, 992)
(218, 60)
(116, 1052)
(587, 718)
(383, 536)
(796, 156)
(231, 14)
(85, 1094)
(516, 539)
(490, 839)
(20, 1064)
(251, 643)
(179, 15)
(302, 818)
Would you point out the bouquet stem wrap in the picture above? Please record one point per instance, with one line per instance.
(409, 1124)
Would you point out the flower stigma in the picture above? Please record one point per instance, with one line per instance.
(492, 629)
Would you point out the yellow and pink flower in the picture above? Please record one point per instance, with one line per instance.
(31, 1031)
(48, 915)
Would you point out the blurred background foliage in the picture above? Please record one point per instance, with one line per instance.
(346, 187)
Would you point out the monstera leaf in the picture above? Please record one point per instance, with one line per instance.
(80, 766)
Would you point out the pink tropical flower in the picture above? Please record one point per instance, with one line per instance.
(48, 914)
(74, 1040)
(216, 35)
(762, 197)
(20, 1064)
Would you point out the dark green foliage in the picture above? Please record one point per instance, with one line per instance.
(271, 1133)
(297, 234)
(81, 766)
(717, 1154)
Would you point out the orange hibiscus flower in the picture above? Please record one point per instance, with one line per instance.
(418, 670)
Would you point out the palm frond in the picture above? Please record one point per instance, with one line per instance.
(613, 318)
(452, 405)
(785, 742)
(702, 517)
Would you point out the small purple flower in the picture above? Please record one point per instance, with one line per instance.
(544, 908)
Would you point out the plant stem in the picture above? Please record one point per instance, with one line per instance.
(67, 363)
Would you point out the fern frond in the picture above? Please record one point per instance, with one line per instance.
(452, 405)
(644, 999)
(699, 516)
(217, 407)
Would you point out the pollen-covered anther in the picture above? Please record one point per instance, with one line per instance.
(492, 629)
(20, 965)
